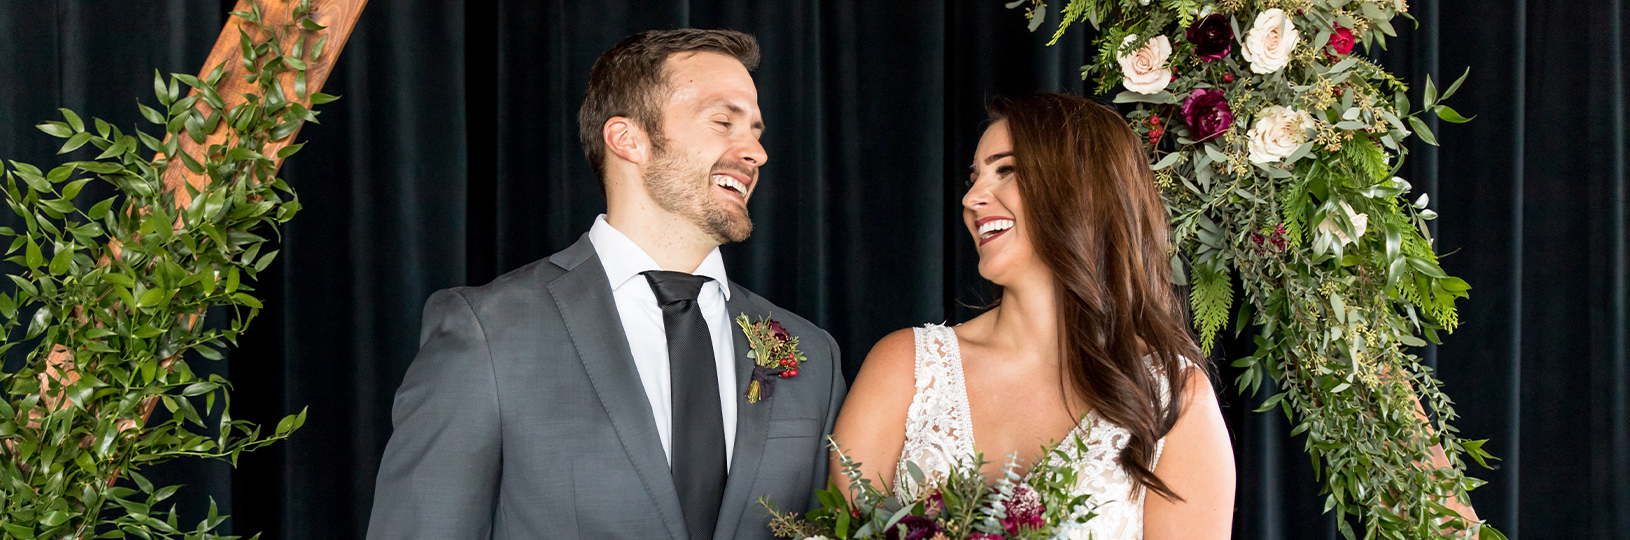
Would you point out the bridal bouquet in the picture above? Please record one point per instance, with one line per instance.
(964, 505)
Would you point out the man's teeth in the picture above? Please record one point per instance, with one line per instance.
(994, 226)
(729, 182)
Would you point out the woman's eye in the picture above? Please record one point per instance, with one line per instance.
(1004, 170)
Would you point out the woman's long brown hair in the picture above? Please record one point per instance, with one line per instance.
(1095, 218)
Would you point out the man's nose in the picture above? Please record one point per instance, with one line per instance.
(752, 152)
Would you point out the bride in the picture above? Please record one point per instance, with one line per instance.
(1088, 338)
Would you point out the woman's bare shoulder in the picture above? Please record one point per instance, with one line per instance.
(892, 360)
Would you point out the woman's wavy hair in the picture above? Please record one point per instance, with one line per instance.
(1095, 218)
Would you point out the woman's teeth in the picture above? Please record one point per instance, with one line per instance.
(729, 182)
(991, 228)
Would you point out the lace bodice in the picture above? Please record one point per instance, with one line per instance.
(939, 432)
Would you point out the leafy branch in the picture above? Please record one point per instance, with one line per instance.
(114, 296)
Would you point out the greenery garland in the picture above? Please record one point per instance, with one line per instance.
(1276, 152)
(114, 293)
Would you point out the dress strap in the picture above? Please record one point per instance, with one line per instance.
(939, 429)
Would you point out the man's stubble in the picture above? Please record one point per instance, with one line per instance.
(684, 188)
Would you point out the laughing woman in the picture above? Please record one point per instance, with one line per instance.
(1088, 339)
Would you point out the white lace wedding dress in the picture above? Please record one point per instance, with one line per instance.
(939, 433)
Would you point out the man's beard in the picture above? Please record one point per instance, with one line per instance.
(686, 189)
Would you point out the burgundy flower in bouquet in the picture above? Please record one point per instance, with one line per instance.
(934, 505)
(1341, 40)
(1024, 510)
(917, 528)
(1207, 113)
(1211, 36)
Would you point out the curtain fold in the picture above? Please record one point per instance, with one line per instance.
(453, 157)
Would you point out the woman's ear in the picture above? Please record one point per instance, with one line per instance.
(626, 140)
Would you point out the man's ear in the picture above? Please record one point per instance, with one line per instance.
(625, 139)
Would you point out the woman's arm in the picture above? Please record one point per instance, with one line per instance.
(1197, 463)
(871, 427)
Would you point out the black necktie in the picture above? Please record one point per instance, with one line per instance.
(698, 425)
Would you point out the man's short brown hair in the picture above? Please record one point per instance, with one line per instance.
(628, 81)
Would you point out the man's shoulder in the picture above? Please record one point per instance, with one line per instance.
(526, 280)
(529, 283)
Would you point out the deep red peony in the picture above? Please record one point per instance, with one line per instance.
(1207, 114)
(1211, 36)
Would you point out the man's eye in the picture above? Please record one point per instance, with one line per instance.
(723, 123)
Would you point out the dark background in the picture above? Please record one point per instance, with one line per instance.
(454, 157)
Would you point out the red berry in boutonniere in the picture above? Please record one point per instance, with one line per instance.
(774, 354)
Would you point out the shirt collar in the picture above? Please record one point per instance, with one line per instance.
(624, 260)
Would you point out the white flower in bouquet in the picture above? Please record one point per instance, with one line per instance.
(1359, 221)
(1277, 133)
(1145, 69)
(1269, 43)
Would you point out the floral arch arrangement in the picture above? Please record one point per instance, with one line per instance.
(1276, 152)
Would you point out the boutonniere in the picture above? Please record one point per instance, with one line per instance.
(775, 355)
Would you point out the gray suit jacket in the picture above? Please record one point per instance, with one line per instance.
(523, 417)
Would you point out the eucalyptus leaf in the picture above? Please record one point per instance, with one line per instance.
(1422, 131)
(1158, 98)
(1456, 85)
(1450, 115)
(74, 142)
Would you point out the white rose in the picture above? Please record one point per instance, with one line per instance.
(1270, 41)
(1277, 133)
(1359, 221)
(1144, 70)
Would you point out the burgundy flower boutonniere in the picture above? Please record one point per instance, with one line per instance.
(774, 353)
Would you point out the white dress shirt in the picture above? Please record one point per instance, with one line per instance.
(647, 335)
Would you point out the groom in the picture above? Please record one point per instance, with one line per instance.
(599, 393)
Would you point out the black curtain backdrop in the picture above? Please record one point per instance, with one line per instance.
(454, 158)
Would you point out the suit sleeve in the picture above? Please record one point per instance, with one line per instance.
(839, 390)
(439, 475)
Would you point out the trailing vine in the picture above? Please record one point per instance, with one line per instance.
(115, 292)
(1276, 151)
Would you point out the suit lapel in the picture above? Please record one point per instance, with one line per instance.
(585, 302)
(752, 423)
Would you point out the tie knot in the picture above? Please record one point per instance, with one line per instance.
(672, 287)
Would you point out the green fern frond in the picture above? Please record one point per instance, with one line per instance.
(1368, 160)
(1185, 10)
(1210, 297)
(1293, 207)
(1074, 11)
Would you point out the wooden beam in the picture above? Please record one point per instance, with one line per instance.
(339, 16)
